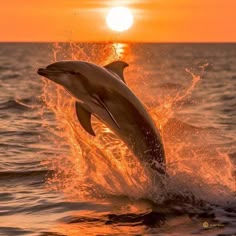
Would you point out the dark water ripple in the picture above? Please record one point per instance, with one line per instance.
(10, 133)
(6, 197)
(19, 105)
(14, 231)
(12, 104)
(22, 174)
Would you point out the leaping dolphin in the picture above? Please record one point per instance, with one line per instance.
(102, 92)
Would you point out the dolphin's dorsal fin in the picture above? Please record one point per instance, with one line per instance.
(84, 118)
(117, 67)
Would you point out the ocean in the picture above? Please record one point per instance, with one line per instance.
(55, 179)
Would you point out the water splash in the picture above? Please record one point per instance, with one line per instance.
(102, 165)
(195, 165)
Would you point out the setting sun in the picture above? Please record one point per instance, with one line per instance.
(119, 19)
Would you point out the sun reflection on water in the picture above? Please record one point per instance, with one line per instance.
(121, 50)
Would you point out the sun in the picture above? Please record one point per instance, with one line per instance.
(119, 19)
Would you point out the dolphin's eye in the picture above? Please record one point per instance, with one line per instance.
(73, 73)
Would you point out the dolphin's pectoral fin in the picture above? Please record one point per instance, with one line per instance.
(100, 101)
(117, 67)
(84, 118)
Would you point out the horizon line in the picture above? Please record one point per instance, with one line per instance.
(114, 41)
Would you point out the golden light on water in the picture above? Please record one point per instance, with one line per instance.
(119, 19)
(120, 49)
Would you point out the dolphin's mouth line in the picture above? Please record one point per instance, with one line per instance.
(44, 72)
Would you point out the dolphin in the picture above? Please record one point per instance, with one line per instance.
(102, 91)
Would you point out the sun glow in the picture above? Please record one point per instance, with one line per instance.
(119, 19)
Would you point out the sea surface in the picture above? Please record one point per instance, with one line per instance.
(55, 179)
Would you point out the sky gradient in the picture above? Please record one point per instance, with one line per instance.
(84, 20)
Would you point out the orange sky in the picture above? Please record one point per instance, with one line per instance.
(84, 20)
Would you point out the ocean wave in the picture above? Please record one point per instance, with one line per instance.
(12, 104)
(5, 67)
(14, 231)
(6, 196)
(148, 219)
(7, 175)
(227, 97)
(19, 104)
(58, 207)
(11, 133)
(10, 75)
(158, 215)
(233, 156)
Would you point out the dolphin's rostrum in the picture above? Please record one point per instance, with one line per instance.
(102, 92)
